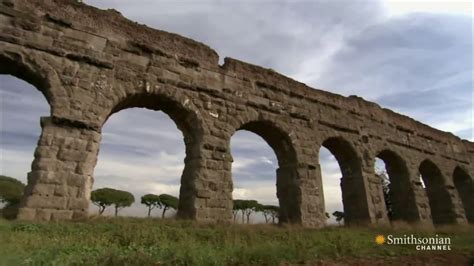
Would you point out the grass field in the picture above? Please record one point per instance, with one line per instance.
(138, 241)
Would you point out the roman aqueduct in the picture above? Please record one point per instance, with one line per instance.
(91, 63)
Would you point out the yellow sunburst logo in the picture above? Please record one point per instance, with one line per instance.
(380, 239)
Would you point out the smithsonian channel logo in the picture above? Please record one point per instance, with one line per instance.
(420, 243)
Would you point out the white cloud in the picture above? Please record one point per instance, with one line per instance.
(242, 163)
(263, 193)
(264, 159)
(460, 122)
(163, 167)
(402, 7)
(15, 163)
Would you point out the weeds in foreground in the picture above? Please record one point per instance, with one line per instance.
(138, 241)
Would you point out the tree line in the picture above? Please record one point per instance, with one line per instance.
(248, 207)
(119, 199)
(11, 192)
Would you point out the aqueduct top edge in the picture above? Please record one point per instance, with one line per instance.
(111, 24)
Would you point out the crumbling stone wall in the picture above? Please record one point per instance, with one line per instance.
(91, 63)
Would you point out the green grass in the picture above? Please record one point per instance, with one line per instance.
(134, 241)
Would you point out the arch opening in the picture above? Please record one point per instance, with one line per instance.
(464, 185)
(276, 138)
(286, 188)
(22, 104)
(159, 142)
(399, 196)
(11, 65)
(354, 197)
(253, 177)
(186, 120)
(331, 183)
(141, 152)
(442, 209)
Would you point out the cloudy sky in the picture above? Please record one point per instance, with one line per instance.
(414, 57)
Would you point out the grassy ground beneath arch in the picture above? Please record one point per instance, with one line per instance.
(139, 241)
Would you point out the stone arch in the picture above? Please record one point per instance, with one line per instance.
(354, 197)
(23, 68)
(33, 71)
(465, 187)
(276, 137)
(187, 119)
(401, 193)
(179, 109)
(441, 205)
(279, 139)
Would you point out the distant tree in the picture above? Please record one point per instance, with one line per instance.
(151, 201)
(242, 210)
(102, 198)
(168, 202)
(246, 207)
(123, 199)
(339, 216)
(11, 190)
(249, 207)
(239, 205)
(236, 208)
(266, 211)
(270, 212)
(260, 208)
(386, 191)
(105, 197)
(274, 212)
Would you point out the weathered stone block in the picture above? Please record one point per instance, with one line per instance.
(80, 215)
(74, 144)
(200, 203)
(43, 215)
(85, 167)
(49, 165)
(61, 215)
(44, 189)
(85, 39)
(46, 152)
(92, 146)
(71, 155)
(64, 190)
(46, 140)
(216, 203)
(202, 193)
(72, 191)
(76, 180)
(51, 202)
(45, 177)
(78, 204)
(26, 214)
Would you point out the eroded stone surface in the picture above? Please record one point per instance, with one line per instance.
(90, 63)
